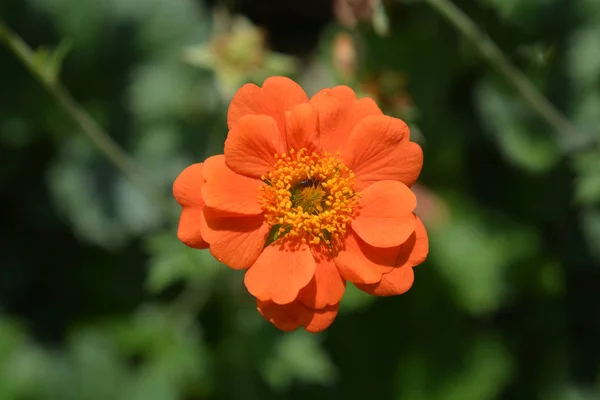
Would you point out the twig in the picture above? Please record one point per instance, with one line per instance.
(88, 125)
(571, 138)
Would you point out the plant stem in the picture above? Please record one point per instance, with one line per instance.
(88, 125)
(570, 137)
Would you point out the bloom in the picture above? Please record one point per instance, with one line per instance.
(309, 194)
(237, 52)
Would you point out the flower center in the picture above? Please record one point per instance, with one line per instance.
(309, 197)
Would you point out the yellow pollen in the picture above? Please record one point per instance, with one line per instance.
(308, 197)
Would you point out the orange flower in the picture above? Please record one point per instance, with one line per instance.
(309, 194)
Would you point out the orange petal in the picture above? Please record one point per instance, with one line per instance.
(400, 279)
(414, 251)
(301, 128)
(379, 149)
(359, 262)
(187, 192)
(289, 317)
(385, 215)
(396, 282)
(277, 95)
(235, 241)
(251, 145)
(187, 186)
(227, 191)
(339, 111)
(326, 287)
(280, 272)
(189, 230)
(322, 319)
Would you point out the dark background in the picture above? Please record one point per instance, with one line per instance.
(98, 299)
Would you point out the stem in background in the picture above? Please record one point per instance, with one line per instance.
(88, 125)
(572, 139)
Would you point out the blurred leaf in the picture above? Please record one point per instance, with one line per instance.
(479, 373)
(587, 183)
(583, 62)
(159, 89)
(584, 57)
(78, 20)
(577, 393)
(166, 341)
(169, 25)
(172, 261)
(355, 299)
(588, 10)
(23, 366)
(97, 366)
(49, 62)
(590, 220)
(522, 12)
(474, 252)
(551, 279)
(508, 120)
(298, 356)
(103, 207)
(16, 132)
(381, 22)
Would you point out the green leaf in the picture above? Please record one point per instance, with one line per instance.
(587, 183)
(478, 372)
(298, 356)
(519, 11)
(512, 124)
(172, 261)
(474, 251)
(56, 58)
(24, 367)
(584, 57)
(355, 299)
(103, 206)
(49, 62)
(590, 220)
(381, 21)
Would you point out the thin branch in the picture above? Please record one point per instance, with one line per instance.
(570, 137)
(79, 115)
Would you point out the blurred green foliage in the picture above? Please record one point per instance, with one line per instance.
(100, 300)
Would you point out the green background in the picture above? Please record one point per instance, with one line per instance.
(99, 300)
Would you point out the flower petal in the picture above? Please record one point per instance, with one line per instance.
(379, 149)
(414, 251)
(326, 288)
(322, 319)
(235, 241)
(189, 230)
(301, 128)
(400, 279)
(339, 111)
(227, 191)
(280, 272)
(251, 145)
(187, 186)
(396, 282)
(277, 95)
(289, 317)
(385, 215)
(359, 262)
(187, 192)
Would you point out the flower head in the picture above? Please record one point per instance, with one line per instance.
(309, 194)
(237, 52)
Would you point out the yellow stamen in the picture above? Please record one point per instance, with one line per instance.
(309, 196)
